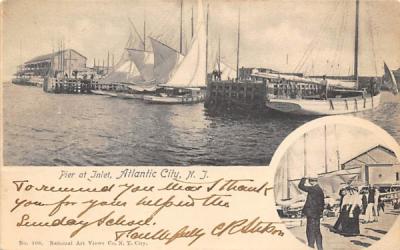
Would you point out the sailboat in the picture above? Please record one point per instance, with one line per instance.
(187, 81)
(343, 101)
(134, 73)
(125, 72)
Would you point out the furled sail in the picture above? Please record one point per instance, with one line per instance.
(227, 72)
(144, 62)
(191, 72)
(166, 61)
(124, 71)
(390, 79)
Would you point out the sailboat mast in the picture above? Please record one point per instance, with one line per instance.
(108, 60)
(337, 151)
(181, 28)
(305, 154)
(287, 178)
(144, 31)
(20, 57)
(356, 43)
(206, 42)
(326, 149)
(238, 47)
(219, 55)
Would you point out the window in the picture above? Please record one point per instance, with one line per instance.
(397, 176)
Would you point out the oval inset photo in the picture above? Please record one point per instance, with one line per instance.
(337, 183)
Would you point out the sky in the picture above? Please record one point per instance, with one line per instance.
(310, 36)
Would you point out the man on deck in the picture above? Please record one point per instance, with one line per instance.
(324, 88)
(313, 209)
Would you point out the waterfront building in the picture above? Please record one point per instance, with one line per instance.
(377, 166)
(68, 61)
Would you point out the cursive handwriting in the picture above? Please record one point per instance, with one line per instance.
(246, 226)
(162, 234)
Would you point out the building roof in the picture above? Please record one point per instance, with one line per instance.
(50, 56)
(375, 155)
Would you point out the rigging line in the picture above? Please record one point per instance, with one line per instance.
(339, 43)
(321, 35)
(136, 32)
(316, 39)
(333, 54)
(372, 39)
(324, 32)
(311, 43)
(344, 38)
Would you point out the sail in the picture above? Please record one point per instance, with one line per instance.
(191, 72)
(166, 61)
(144, 62)
(389, 79)
(124, 71)
(227, 72)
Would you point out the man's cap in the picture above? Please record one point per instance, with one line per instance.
(313, 176)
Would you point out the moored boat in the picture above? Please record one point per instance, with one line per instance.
(187, 76)
(330, 106)
(329, 99)
(104, 92)
(189, 96)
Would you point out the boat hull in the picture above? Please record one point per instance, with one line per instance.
(130, 96)
(334, 106)
(172, 99)
(102, 92)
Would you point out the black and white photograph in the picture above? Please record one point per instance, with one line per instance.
(337, 186)
(189, 82)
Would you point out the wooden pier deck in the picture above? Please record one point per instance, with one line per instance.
(77, 86)
(230, 94)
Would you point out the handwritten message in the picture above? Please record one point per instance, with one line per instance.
(134, 209)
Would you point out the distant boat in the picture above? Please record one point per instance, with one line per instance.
(134, 72)
(390, 80)
(187, 81)
(104, 92)
(343, 102)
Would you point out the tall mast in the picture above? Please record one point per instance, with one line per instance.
(181, 28)
(144, 31)
(326, 149)
(238, 47)
(69, 64)
(108, 60)
(337, 151)
(20, 56)
(305, 154)
(219, 55)
(51, 71)
(287, 177)
(206, 41)
(62, 57)
(356, 43)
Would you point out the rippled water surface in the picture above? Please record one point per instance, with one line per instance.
(49, 129)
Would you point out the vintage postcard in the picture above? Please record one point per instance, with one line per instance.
(198, 124)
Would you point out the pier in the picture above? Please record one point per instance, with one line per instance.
(77, 86)
(249, 95)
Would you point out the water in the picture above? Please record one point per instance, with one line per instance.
(48, 129)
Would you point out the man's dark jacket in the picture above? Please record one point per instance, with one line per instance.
(314, 205)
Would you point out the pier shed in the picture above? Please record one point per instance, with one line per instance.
(67, 61)
(378, 166)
